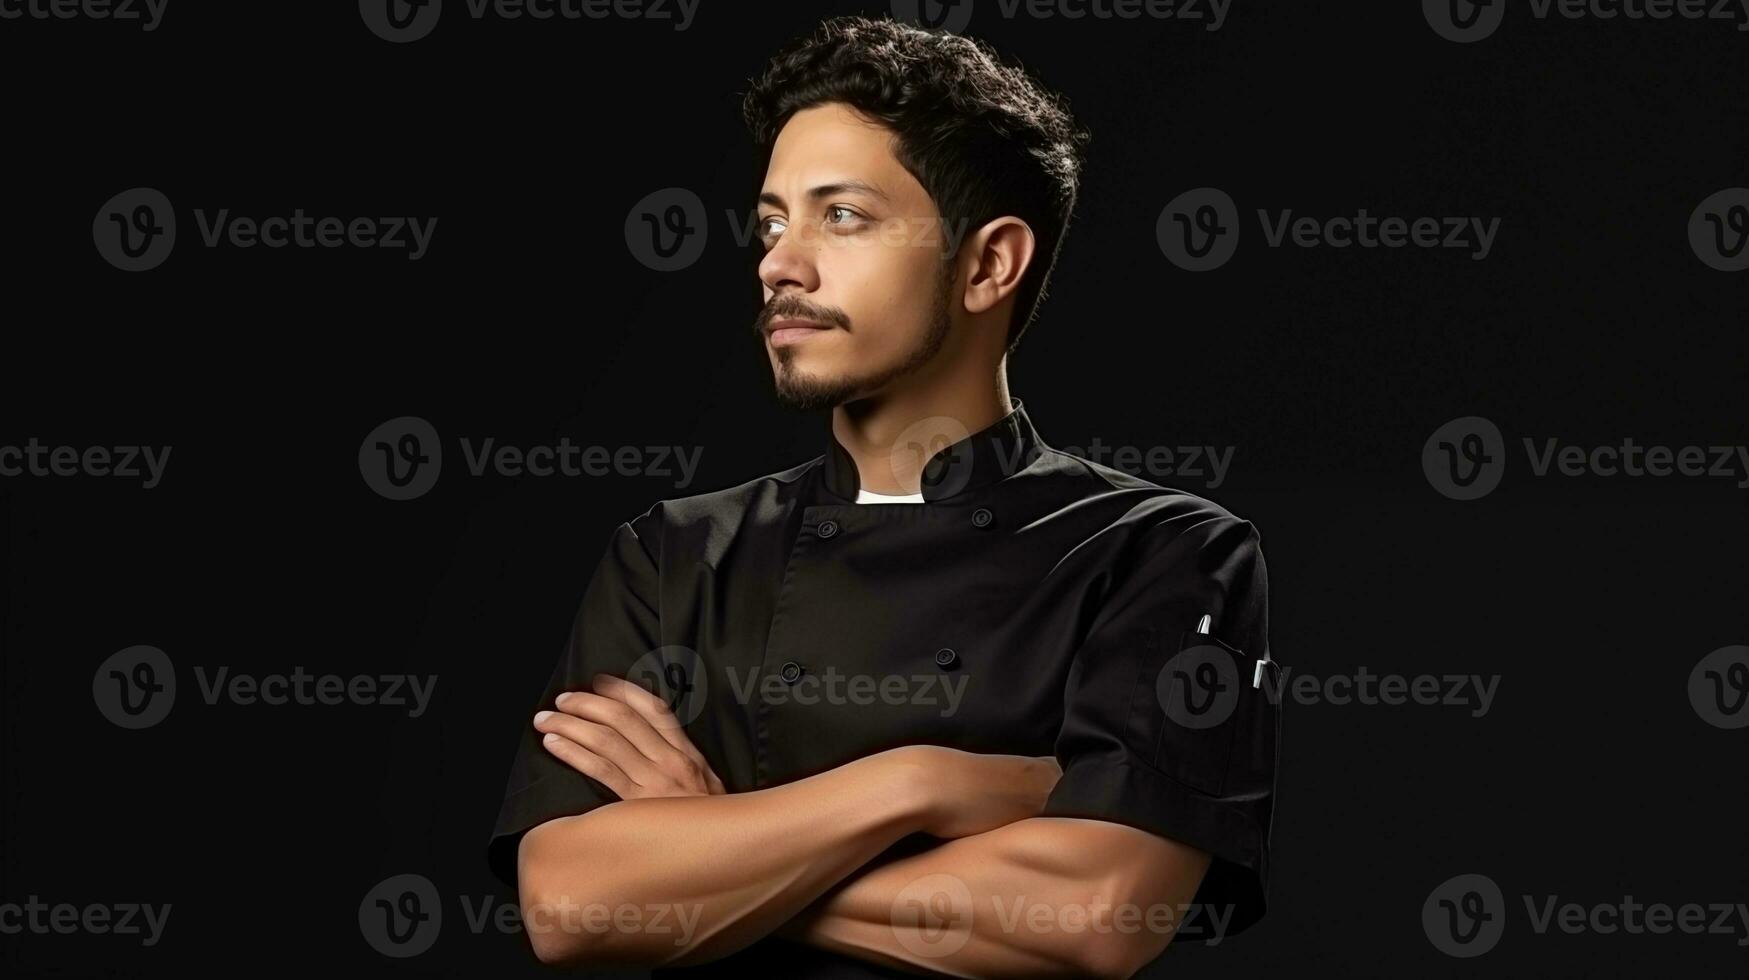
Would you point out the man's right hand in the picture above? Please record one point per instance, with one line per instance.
(628, 740)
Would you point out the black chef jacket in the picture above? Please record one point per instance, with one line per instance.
(1064, 594)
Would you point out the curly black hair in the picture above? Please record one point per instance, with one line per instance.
(984, 138)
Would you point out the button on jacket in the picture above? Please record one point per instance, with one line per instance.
(1035, 603)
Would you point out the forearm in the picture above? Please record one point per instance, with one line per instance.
(1031, 899)
(706, 875)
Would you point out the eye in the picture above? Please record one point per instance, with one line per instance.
(771, 228)
(849, 215)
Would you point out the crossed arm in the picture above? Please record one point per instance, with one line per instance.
(1008, 893)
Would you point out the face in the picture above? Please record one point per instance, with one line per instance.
(856, 287)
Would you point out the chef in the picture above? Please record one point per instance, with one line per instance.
(943, 698)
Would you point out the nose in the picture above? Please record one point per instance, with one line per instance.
(789, 265)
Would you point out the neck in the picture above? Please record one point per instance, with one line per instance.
(871, 429)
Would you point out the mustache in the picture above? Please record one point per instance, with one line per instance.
(791, 305)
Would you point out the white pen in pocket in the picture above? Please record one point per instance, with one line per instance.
(1202, 626)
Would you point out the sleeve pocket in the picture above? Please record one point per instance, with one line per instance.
(1192, 695)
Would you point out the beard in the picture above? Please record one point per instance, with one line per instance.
(810, 393)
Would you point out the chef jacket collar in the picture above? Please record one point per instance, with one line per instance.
(971, 462)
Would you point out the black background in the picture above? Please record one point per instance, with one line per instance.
(1592, 320)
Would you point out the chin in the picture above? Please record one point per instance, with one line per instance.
(810, 391)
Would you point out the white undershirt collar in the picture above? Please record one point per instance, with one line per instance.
(865, 497)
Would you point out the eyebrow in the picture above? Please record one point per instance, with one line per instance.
(846, 186)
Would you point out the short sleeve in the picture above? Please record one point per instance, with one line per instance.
(616, 623)
(1162, 726)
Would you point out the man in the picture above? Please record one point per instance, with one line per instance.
(942, 700)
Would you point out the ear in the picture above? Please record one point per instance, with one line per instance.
(994, 259)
